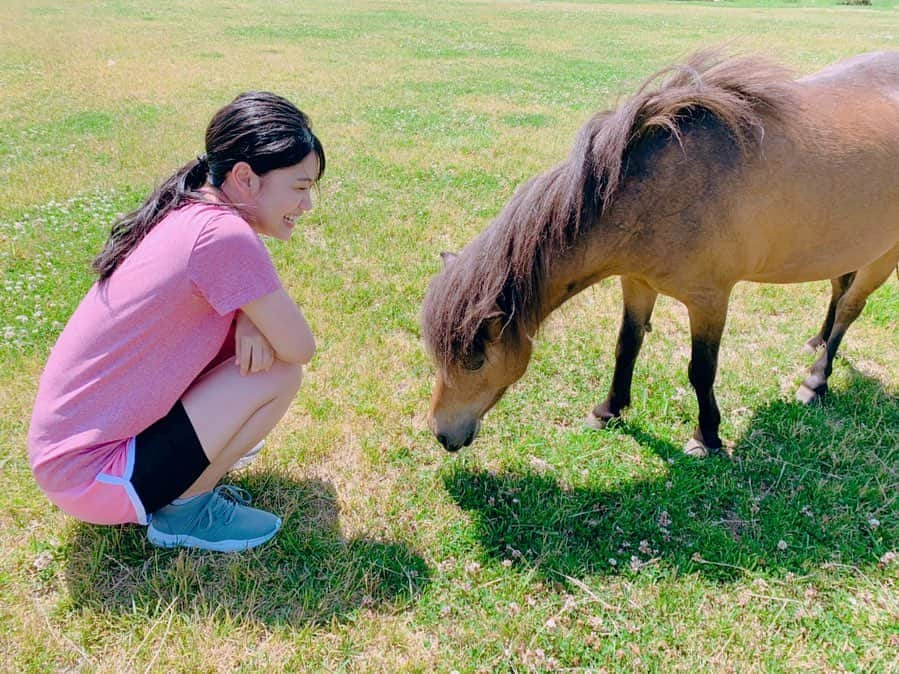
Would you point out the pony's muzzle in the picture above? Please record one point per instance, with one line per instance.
(461, 436)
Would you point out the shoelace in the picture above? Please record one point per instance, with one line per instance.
(223, 502)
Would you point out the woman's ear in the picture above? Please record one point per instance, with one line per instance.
(244, 179)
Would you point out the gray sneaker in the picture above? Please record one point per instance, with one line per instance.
(220, 520)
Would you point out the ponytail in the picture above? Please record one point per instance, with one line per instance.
(130, 229)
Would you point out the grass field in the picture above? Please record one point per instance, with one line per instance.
(542, 547)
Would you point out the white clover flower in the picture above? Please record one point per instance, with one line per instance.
(43, 560)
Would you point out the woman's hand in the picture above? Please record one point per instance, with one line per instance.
(254, 353)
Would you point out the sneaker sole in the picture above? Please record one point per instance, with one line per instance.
(247, 458)
(164, 540)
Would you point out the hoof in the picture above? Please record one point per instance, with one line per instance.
(599, 423)
(806, 395)
(698, 450)
(594, 422)
(812, 346)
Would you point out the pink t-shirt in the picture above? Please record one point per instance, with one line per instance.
(134, 345)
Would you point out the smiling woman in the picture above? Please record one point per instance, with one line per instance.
(188, 350)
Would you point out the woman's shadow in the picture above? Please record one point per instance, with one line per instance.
(308, 574)
(808, 486)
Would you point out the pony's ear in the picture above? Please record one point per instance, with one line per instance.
(493, 327)
(490, 331)
(448, 258)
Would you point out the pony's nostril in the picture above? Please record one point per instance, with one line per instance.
(442, 439)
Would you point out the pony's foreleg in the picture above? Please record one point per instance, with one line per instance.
(838, 287)
(867, 280)
(639, 301)
(706, 328)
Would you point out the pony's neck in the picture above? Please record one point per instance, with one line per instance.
(591, 260)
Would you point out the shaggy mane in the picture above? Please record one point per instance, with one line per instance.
(500, 274)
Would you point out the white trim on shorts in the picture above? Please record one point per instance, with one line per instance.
(125, 482)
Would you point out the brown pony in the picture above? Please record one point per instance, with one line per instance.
(723, 170)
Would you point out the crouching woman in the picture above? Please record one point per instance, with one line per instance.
(187, 350)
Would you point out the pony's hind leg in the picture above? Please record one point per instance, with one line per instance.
(850, 305)
(639, 301)
(838, 287)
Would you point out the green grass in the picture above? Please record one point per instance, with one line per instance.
(545, 545)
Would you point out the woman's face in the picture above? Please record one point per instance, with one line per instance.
(282, 196)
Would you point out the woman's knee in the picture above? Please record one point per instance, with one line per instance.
(289, 377)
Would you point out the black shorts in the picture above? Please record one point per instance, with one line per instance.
(168, 458)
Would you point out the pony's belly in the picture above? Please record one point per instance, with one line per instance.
(798, 275)
(815, 266)
(804, 236)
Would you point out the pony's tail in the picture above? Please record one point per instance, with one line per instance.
(129, 230)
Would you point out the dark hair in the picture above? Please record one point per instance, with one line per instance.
(264, 130)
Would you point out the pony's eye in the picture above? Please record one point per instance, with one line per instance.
(473, 361)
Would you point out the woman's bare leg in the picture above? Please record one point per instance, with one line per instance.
(232, 413)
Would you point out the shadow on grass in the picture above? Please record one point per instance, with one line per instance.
(807, 487)
(308, 574)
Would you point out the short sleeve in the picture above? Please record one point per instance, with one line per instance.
(229, 264)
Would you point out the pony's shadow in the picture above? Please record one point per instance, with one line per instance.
(808, 486)
(308, 574)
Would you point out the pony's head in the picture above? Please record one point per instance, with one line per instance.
(477, 360)
(481, 311)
